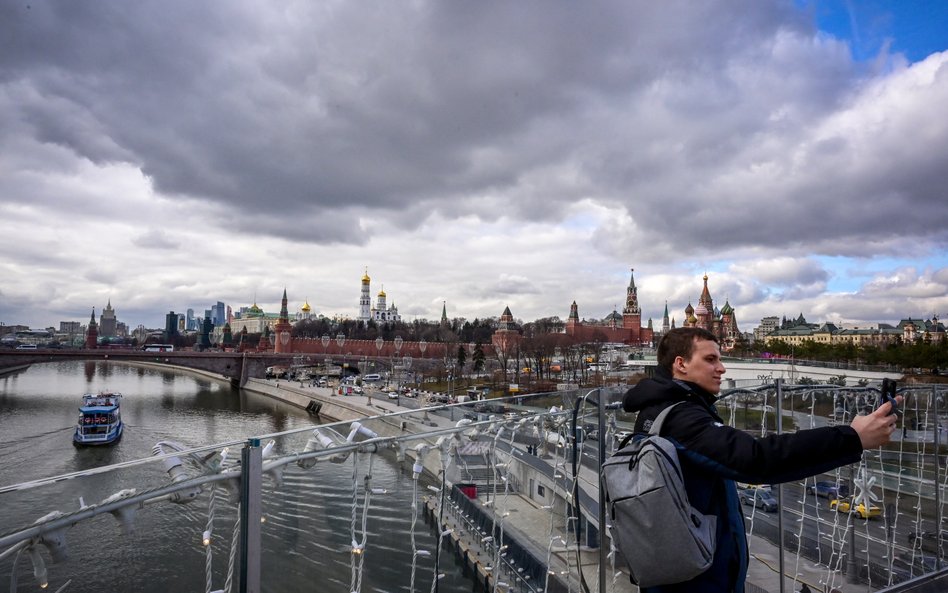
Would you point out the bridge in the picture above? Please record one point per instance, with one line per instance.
(236, 366)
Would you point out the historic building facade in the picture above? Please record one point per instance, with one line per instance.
(720, 322)
(797, 331)
(254, 320)
(382, 312)
(625, 328)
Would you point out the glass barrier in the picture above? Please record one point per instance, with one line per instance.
(496, 494)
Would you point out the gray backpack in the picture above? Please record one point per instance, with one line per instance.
(655, 530)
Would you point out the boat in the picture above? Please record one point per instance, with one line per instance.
(100, 419)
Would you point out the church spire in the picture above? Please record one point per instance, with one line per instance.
(284, 312)
(282, 332)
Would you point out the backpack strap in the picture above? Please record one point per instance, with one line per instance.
(656, 427)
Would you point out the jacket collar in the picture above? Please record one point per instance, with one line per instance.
(698, 392)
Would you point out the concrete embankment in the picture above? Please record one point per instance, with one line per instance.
(11, 370)
(332, 408)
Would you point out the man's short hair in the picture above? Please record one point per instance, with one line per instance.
(680, 342)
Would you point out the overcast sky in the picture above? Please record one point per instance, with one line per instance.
(168, 155)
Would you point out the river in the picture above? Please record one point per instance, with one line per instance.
(307, 533)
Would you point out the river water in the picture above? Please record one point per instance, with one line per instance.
(308, 529)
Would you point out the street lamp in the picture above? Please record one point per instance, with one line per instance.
(378, 347)
(325, 341)
(406, 364)
(398, 347)
(422, 345)
(340, 340)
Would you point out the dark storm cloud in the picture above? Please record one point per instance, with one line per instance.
(667, 131)
(361, 108)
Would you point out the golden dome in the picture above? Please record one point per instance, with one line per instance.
(365, 277)
(306, 307)
(382, 293)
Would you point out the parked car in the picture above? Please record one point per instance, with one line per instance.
(745, 486)
(829, 489)
(621, 436)
(758, 498)
(928, 540)
(842, 505)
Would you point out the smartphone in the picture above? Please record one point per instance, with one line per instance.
(888, 395)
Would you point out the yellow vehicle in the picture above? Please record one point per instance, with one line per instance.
(845, 506)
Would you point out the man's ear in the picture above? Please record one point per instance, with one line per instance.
(679, 364)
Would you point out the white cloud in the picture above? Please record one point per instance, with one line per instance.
(505, 155)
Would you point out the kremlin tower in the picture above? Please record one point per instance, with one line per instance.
(282, 329)
(92, 334)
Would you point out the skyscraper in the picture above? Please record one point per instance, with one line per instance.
(107, 321)
(218, 314)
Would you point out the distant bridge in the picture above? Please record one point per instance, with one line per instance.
(236, 366)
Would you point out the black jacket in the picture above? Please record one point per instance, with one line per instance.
(714, 455)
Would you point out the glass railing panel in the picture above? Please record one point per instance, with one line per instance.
(440, 497)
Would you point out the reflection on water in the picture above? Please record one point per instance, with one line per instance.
(307, 532)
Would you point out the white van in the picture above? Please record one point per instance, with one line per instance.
(372, 377)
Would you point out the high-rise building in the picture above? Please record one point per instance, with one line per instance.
(190, 322)
(171, 326)
(767, 325)
(107, 321)
(219, 315)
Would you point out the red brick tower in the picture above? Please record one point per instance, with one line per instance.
(92, 334)
(632, 313)
(282, 329)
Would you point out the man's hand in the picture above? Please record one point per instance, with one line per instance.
(876, 429)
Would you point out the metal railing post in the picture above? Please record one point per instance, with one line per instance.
(939, 554)
(603, 533)
(852, 569)
(780, 555)
(251, 509)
